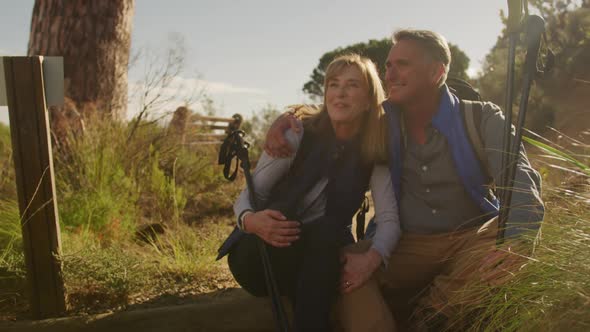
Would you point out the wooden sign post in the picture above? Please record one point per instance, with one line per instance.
(25, 95)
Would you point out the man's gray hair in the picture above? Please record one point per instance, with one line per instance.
(434, 44)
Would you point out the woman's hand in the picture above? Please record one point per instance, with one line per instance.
(275, 144)
(272, 227)
(358, 269)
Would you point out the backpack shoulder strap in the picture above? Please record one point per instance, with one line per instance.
(472, 114)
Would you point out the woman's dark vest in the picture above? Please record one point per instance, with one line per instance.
(320, 155)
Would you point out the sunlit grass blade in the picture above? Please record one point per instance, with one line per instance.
(558, 153)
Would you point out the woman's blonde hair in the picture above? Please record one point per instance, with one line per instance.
(373, 135)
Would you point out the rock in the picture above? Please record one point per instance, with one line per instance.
(149, 233)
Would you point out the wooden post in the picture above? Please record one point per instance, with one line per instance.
(31, 144)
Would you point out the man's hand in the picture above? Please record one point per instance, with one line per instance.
(275, 144)
(501, 264)
(272, 227)
(358, 269)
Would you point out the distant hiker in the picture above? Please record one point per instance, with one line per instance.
(311, 197)
(448, 213)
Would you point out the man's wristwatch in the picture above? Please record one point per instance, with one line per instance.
(241, 218)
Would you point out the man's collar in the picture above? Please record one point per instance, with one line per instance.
(448, 102)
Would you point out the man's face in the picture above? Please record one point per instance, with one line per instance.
(409, 72)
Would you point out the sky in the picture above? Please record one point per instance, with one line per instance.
(247, 55)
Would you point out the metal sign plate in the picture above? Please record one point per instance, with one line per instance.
(53, 77)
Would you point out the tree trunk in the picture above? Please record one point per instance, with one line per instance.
(94, 37)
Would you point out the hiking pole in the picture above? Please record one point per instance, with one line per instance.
(535, 27)
(514, 25)
(234, 145)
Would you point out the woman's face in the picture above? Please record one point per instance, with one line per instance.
(347, 95)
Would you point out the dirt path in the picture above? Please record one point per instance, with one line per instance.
(227, 310)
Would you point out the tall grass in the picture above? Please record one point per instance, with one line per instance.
(550, 290)
(110, 185)
(94, 189)
(189, 252)
(7, 184)
(10, 231)
(12, 272)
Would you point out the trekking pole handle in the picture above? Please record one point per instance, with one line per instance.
(535, 27)
(515, 13)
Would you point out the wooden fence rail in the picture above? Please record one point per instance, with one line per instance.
(194, 129)
(211, 123)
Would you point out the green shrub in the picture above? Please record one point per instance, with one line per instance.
(107, 185)
(93, 189)
(168, 199)
(7, 176)
(10, 230)
(97, 273)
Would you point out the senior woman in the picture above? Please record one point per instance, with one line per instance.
(311, 198)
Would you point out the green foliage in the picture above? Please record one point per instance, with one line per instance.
(377, 51)
(9, 213)
(170, 199)
(7, 177)
(107, 185)
(12, 272)
(94, 272)
(10, 230)
(175, 181)
(108, 271)
(93, 188)
(187, 252)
